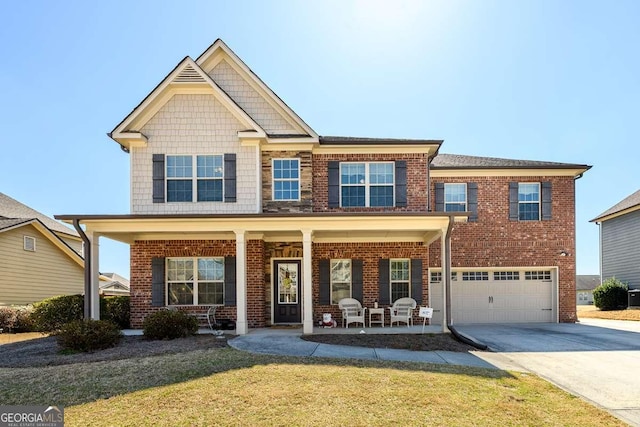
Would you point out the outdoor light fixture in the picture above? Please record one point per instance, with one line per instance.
(564, 253)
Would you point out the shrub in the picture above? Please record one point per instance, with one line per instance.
(88, 335)
(612, 294)
(15, 319)
(50, 314)
(169, 324)
(116, 309)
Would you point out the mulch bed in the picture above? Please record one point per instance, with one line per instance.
(415, 342)
(45, 351)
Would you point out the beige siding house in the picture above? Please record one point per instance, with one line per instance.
(39, 257)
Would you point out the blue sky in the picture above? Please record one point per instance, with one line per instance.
(536, 80)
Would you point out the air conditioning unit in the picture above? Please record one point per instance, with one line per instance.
(634, 298)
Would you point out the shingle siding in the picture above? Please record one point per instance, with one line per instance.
(621, 249)
(193, 124)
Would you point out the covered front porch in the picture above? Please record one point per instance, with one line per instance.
(241, 233)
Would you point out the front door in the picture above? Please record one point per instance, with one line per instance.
(286, 291)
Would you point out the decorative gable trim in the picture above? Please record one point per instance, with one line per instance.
(219, 51)
(186, 78)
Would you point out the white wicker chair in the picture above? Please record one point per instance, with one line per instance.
(352, 311)
(402, 311)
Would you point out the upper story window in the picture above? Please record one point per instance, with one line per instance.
(455, 197)
(207, 181)
(340, 279)
(367, 184)
(400, 275)
(29, 243)
(529, 201)
(286, 179)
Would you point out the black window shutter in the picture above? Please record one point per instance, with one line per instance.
(334, 184)
(546, 200)
(325, 282)
(230, 280)
(383, 281)
(157, 282)
(416, 280)
(472, 201)
(356, 279)
(230, 178)
(158, 178)
(439, 196)
(401, 183)
(513, 201)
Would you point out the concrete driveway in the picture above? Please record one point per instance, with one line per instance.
(598, 360)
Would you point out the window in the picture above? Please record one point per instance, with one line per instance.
(195, 281)
(208, 178)
(367, 184)
(537, 275)
(340, 279)
(455, 197)
(400, 284)
(506, 275)
(286, 179)
(436, 277)
(529, 201)
(474, 275)
(29, 243)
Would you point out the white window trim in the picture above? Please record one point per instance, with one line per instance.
(194, 177)
(539, 202)
(367, 185)
(391, 281)
(274, 179)
(331, 282)
(466, 195)
(26, 246)
(195, 281)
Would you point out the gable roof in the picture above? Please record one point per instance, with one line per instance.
(11, 209)
(587, 282)
(626, 205)
(186, 77)
(220, 46)
(458, 161)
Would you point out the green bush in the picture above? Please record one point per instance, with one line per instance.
(116, 309)
(50, 314)
(169, 324)
(16, 319)
(612, 294)
(88, 335)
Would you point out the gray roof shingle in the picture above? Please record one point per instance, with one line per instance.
(587, 282)
(11, 209)
(6, 223)
(458, 161)
(360, 140)
(629, 202)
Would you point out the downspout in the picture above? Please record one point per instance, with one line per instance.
(87, 269)
(429, 158)
(447, 283)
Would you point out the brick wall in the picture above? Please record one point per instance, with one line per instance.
(416, 180)
(369, 253)
(306, 171)
(495, 241)
(143, 251)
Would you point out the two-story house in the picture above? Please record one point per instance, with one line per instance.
(237, 202)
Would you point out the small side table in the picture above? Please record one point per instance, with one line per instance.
(379, 311)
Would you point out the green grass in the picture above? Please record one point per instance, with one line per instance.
(228, 387)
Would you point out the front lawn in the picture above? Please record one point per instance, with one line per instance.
(223, 386)
(593, 312)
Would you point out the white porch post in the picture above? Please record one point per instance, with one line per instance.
(307, 289)
(241, 282)
(446, 277)
(94, 238)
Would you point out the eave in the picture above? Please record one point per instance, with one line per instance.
(626, 211)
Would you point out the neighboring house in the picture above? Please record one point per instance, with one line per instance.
(585, 284)
(237, 202)
(620, 241)
(39, 257)
(112, 284)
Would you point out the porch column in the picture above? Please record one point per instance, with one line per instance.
(445, 262)
(241, 282)
(307, 277)
(94, 264)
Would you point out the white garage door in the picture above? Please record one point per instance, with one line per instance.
(504, 296)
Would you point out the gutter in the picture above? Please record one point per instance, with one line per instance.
(87, 269)
(447, 283)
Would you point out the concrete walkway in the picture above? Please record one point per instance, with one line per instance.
(288, 342)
